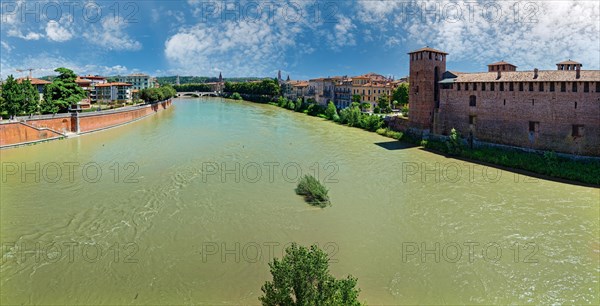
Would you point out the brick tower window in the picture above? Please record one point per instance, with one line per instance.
(483, 86)
(563, 86)
(551, 86)
(597, 86)
(534, 126)
(474, 86)
(472, 100)
(458, 87)
(472, 119)
(501, 86)
(577, 130)
(520, 86)
(541, 86)
(511, 86)
(586, 87)
(466, 86)
(492, 86)
(530, 86)
(574, 89)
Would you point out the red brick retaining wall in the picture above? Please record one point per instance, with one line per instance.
(17, 132)
(60, 124)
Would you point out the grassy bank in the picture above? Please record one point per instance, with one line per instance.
(547, 164)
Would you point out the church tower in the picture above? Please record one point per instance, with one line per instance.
(220, 78)
(426, 68)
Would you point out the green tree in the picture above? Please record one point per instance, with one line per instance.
(47, 107)
(384, 103)
(356, 98)
(13, 95)
(400, 94)
(2, 103)
(365, 106)
(31, 98)
(371, 122)
(454, 143)
(302, 278)
(331, 111)
(351, 116)
(63, 91)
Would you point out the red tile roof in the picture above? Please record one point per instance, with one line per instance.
(34, 81)
(427, 49)
(113, 84)
(527, 76)
(569, 62)
(501, 63)
(93, 77)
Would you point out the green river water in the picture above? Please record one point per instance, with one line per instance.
(188, 207)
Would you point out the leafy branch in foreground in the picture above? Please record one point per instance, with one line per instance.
(313, 191)
(302, 277)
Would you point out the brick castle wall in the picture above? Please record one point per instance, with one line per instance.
(504, 117)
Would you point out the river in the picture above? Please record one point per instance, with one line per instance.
(189, 206)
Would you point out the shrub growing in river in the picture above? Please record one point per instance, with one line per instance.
(313, 191)
(454, 143)
(236, 96)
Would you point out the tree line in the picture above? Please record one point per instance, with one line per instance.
(22, 97)
(267, 87)
(192, 87)
(150, 95)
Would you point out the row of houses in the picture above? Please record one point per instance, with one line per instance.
(100, 90)
(341, 89)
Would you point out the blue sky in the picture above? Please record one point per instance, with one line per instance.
(304, 39)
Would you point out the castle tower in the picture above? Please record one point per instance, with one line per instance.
(569, 65)
(426, 68)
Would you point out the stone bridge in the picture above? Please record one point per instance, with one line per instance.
(197, 94)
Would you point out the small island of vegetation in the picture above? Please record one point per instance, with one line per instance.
(314, 192)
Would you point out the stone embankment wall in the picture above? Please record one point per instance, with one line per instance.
(46, 127)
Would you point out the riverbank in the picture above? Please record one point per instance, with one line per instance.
(32, 130)
(546, 165)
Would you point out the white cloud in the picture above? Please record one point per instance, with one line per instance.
(6, 46)
(57, 32)
(559, 30)
(239, 47)
(15, 32)
(45, 64)
(343, 34)
(155, 15)
(177, 15)
(111, 35)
